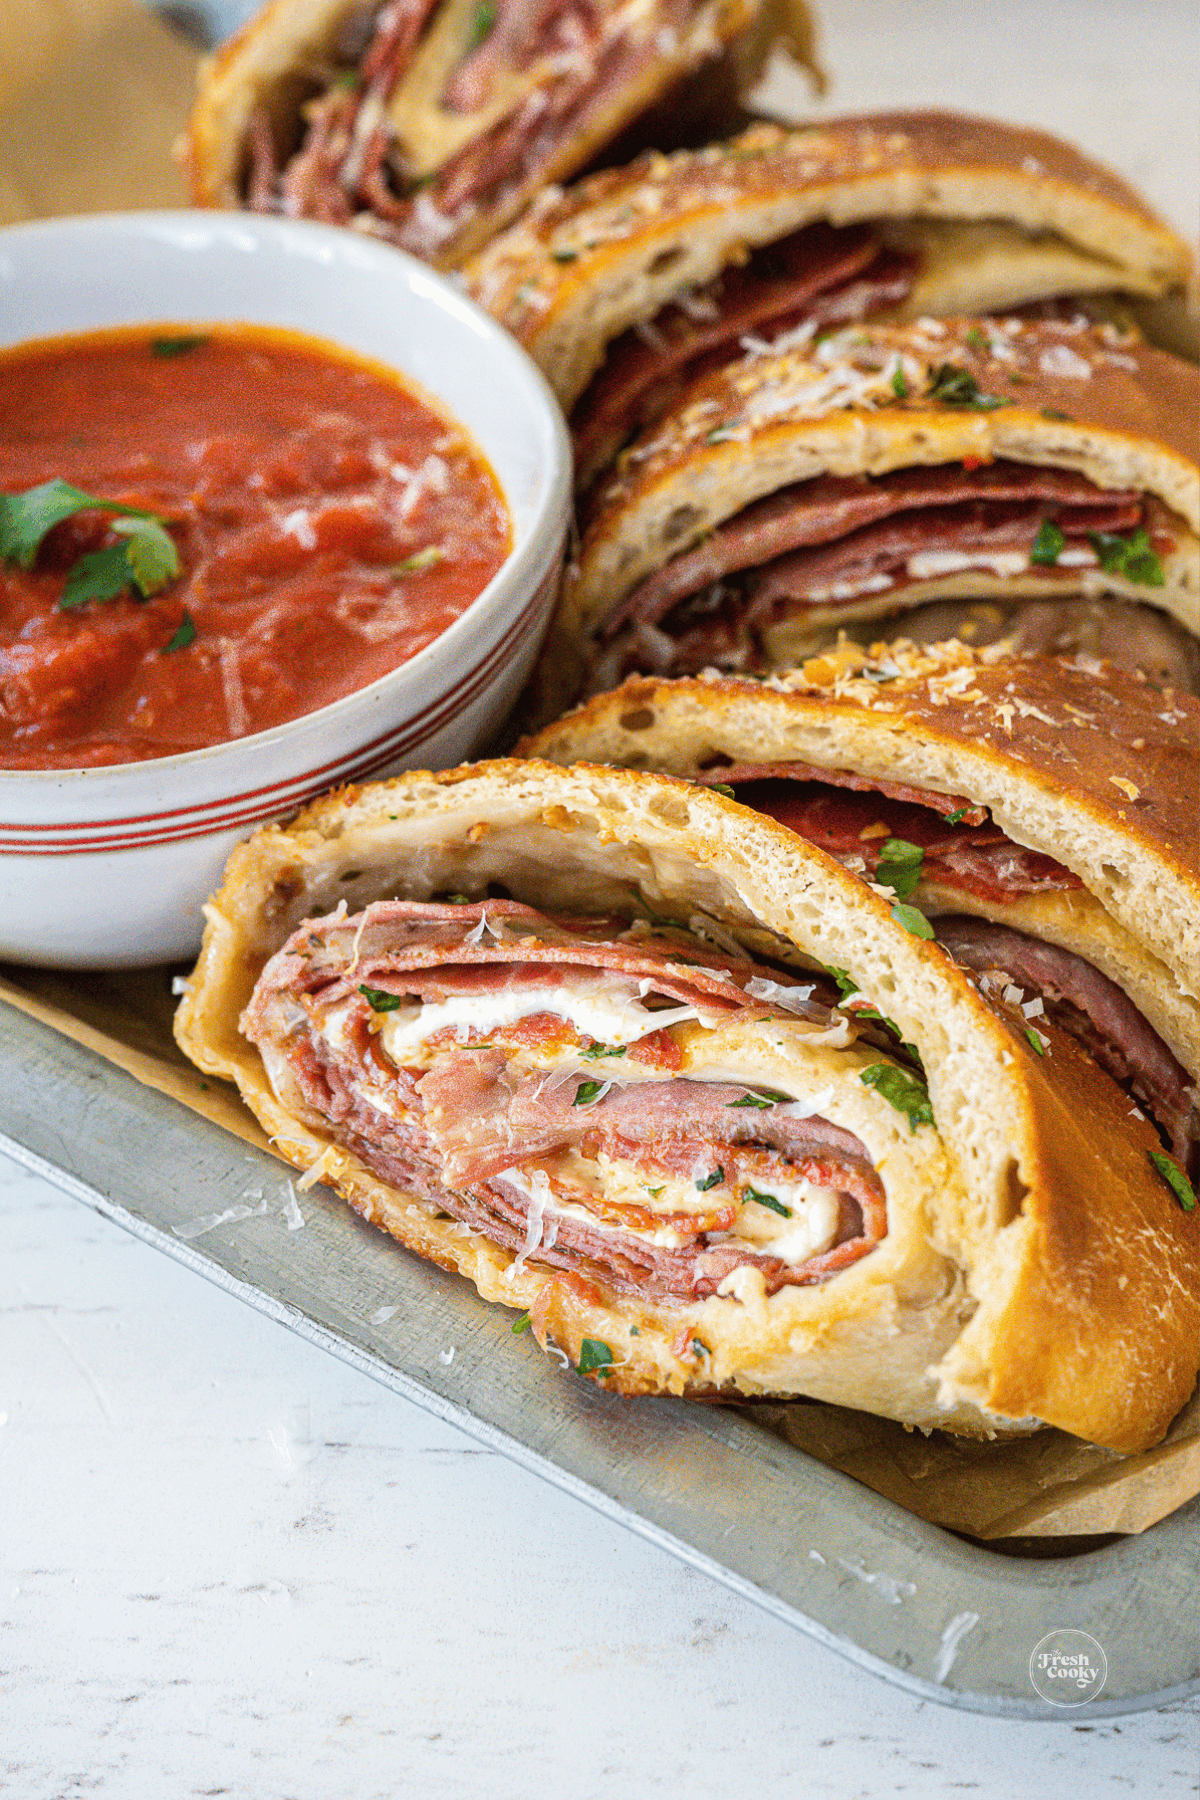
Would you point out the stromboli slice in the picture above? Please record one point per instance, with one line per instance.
(634, 279)
(431, 123)
(1042, 813)
(878, 469)
(1020, 1238)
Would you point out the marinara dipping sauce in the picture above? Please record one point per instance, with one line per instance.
(329, 523)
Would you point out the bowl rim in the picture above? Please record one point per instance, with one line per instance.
(526, 564)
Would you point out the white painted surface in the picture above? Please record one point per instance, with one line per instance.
(231, 1565)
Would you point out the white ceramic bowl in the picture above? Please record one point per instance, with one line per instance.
(108, 867)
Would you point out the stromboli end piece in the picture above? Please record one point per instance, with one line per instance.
(1009, 1272)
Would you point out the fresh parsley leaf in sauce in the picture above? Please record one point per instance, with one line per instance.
(711, 1181)
(768, 1200)
(379, 1000)
(595, 1357)
(565, 255)
(899, 866)
(524, 1323)
(1132, 557)
(428, 558)
(144, 561)
(900, 385)
(1175, 1179)
(901, 1090)
(594, 1051)
(958, 815)
(765, 1098)
(1048, 545)
(586, 1092)
(958, 387)
(167, 347)
(185, 635)
(721, 787)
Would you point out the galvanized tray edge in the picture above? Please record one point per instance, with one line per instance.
(1103, 1588)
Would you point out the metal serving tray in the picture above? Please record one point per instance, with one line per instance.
(943, 1618)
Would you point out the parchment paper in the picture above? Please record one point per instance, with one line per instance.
(92, 95)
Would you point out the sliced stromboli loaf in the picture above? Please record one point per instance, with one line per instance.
(1048, 811)
(1007, 1255)
(432, 123)
(621, 285)
(884, 467)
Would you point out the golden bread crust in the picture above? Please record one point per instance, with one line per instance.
(861, 403)
(982, 1192)
(286, 49)
(1091, 765)
(583, 265)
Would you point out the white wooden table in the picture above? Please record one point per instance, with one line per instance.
(231, 1565)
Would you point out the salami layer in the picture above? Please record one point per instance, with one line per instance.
(522, 1074)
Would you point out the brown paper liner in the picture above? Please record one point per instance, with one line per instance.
(92, 94)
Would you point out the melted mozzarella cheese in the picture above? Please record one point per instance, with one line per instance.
(812, 1227)
(608, 1011)
(926, 565)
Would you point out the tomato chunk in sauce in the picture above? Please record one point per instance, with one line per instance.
(329, 524)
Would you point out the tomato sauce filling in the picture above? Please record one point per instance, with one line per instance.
(329, 524)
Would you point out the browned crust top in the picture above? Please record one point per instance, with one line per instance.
(770, 162)
(1053, 379)
(1083, 730)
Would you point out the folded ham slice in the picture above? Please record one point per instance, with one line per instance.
(521, 1073)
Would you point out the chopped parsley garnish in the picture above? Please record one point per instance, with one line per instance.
(1049, 412)
(635, 1331)
(958, 815)
(595, 1357)
(522, 1324)
(167, 347)
(428, 558)
(1131, 556)
(977, 338)
(768, 1200)
(721, 434)
(958, 387)
(595, 1050)
(912, 919)
(721, 787)
(901, 1090)
(564, 256)
(145, 560)
(700, 1348)
(655, 1192)
(1035, 1040)
(451, 899)
(586, 1092)
(482, 21)
(1175, 1179)
(379, 1000)
(900, 385)
(765, 1098)
(1048, 545)
(711, 1181)
(185, 635)
(899, 866)
(847, 989)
